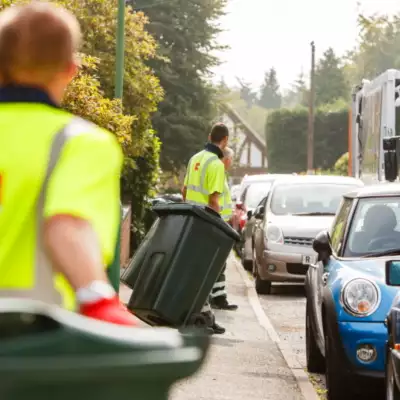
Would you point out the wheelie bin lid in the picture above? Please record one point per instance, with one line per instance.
(205, 213)
(133, 336)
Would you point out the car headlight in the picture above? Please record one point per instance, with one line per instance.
(361, 297)
(274, 234)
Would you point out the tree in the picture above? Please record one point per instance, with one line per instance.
(246, 93)
(286, 135)
(378, 48)
(297, 94)
(330, 80)
(186, 33)
(270, 96)
(85, 98)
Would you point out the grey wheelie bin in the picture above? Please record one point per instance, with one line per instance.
(175, 267)
(47, 353)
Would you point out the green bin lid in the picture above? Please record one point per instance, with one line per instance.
(205, 213)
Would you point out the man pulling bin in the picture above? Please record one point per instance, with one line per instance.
(204, 185)
(219, 296)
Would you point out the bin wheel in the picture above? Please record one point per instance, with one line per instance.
(198, 320)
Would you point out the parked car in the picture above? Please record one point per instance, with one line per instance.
(295, 210)
(392, 370)
(248, 179)
(252, 189)
(347, 296)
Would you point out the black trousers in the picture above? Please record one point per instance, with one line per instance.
(219, 288)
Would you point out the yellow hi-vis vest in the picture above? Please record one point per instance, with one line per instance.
(52, 163)
(205, 175)
(226, 209)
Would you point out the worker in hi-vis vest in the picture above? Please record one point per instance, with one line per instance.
(59, 175)
(219, 295)
(204, 185)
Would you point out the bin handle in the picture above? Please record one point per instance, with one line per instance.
(212, 211)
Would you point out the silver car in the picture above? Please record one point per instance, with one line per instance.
(285, 223)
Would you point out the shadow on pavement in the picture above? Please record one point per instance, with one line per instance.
(288, 290)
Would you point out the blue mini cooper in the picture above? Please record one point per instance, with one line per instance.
(347, 296)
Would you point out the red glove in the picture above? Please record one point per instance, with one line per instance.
(109, 310)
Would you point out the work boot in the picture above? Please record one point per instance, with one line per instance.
(218, 329)
(221, 303)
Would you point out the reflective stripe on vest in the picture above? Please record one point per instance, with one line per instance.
(44, 288)
(194, 189)
(226, 208)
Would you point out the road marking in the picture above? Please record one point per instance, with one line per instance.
(305, 386)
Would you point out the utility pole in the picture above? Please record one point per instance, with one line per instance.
(120, 52)
(310, 141)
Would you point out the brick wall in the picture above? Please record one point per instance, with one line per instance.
(125, 236)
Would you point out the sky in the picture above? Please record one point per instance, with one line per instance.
(277, 33)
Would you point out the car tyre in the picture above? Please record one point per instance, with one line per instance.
(391, 389)
(247, 264)
(262, 287)
(238, 246)
(315, 359)
(338, 387)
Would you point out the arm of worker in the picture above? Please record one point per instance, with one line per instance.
(214, 184)
(82, 217)
(185, 183)
(213, 201)
(184, 190)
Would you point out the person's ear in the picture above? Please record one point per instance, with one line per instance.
(72, 70)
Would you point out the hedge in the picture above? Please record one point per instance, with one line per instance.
(286, 135)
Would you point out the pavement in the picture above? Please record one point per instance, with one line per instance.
(248, 362)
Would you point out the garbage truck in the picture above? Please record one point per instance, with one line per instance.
(374, 128)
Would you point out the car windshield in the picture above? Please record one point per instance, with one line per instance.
(374, 229)
(255, 193)
(308, 198)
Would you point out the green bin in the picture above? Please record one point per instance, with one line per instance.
(173, 270)
(47, 353)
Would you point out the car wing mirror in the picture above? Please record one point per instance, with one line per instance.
(322, 246)
(392, 272)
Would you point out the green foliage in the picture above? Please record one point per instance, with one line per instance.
(84, 98)
(142, 92)
(247, 94)
(270, 96)
(341, 166)
(330, 81)
(286, 132)
(378, 48)
(297, 95)
(255, 116)
(186, 32)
